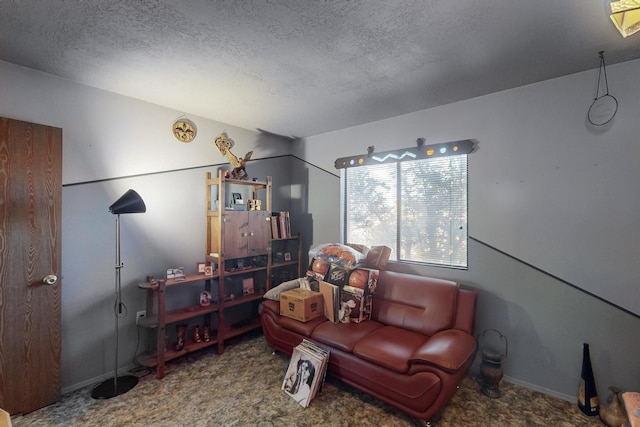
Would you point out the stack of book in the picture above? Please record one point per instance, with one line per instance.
(306, 373)
(280, 225)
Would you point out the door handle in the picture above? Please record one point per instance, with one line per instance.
(50, 279)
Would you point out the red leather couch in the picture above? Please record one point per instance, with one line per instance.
(413, 352)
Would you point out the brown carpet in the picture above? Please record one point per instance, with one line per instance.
(242, 388)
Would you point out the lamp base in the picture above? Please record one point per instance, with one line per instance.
(107, 389)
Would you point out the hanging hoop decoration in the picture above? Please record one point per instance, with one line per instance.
(604, 107)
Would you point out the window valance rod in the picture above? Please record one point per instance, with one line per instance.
(420, 151)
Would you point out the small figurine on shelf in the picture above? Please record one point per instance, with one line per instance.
(196, 334)
(255, 204)
(182, 331)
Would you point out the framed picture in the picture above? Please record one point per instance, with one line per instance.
(176, 274)
(287, 256)
(237, 199)
(205, 299)
(208, 271)
(247, 286)
(200, 267)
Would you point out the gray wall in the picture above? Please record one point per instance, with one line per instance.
(170, 234)
(112, 143)
(517, 180)
(544, 320)
(553, 217)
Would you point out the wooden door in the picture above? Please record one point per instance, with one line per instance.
(30, 231)
(259, 233)
(236, 231)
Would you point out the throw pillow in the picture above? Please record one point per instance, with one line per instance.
(274, 293)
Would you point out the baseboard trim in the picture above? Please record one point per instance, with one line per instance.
(124, 371)
(542, 390)
(95, 380)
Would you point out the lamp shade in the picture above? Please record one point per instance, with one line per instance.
(625, 15)
(129, 202)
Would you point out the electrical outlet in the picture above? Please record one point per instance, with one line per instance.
(140, 315)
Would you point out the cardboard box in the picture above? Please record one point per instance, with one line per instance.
(301, 304)
(5, 419)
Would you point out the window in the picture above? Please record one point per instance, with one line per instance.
(418, 208)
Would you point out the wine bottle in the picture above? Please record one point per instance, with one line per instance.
(588, 395)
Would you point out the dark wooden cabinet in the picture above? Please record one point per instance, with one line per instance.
(239, 249)
(238, 243)
(246, 233)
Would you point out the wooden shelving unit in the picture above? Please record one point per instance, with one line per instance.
(239, 242)
(239, 251)
(283, 269)
(158, 317)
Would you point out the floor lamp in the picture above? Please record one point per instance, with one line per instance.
(130, 202)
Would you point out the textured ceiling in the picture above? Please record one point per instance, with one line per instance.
(302, 67)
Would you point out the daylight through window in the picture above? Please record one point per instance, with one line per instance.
(418, 208)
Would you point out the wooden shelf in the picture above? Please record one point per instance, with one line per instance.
(180, 315)
(151, 360)
(189, 278)
(235, 330)
(291, 245)
(234, 235)
(283, 264)
(244, 271)
(243, 299)
(159, 317)
(233, 238)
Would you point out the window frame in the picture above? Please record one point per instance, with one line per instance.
(399, 220)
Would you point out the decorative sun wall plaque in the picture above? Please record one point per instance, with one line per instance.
(184, 130)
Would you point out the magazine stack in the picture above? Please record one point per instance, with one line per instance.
(352, 302)
(306, 372)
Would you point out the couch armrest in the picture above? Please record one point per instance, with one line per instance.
(449, 349)
(271, 306)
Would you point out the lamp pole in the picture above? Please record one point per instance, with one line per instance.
(118, 307)
(130, 202)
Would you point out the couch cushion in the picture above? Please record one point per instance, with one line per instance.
(420, 304)
(449, 350)
(343, 336)
(389, 347)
